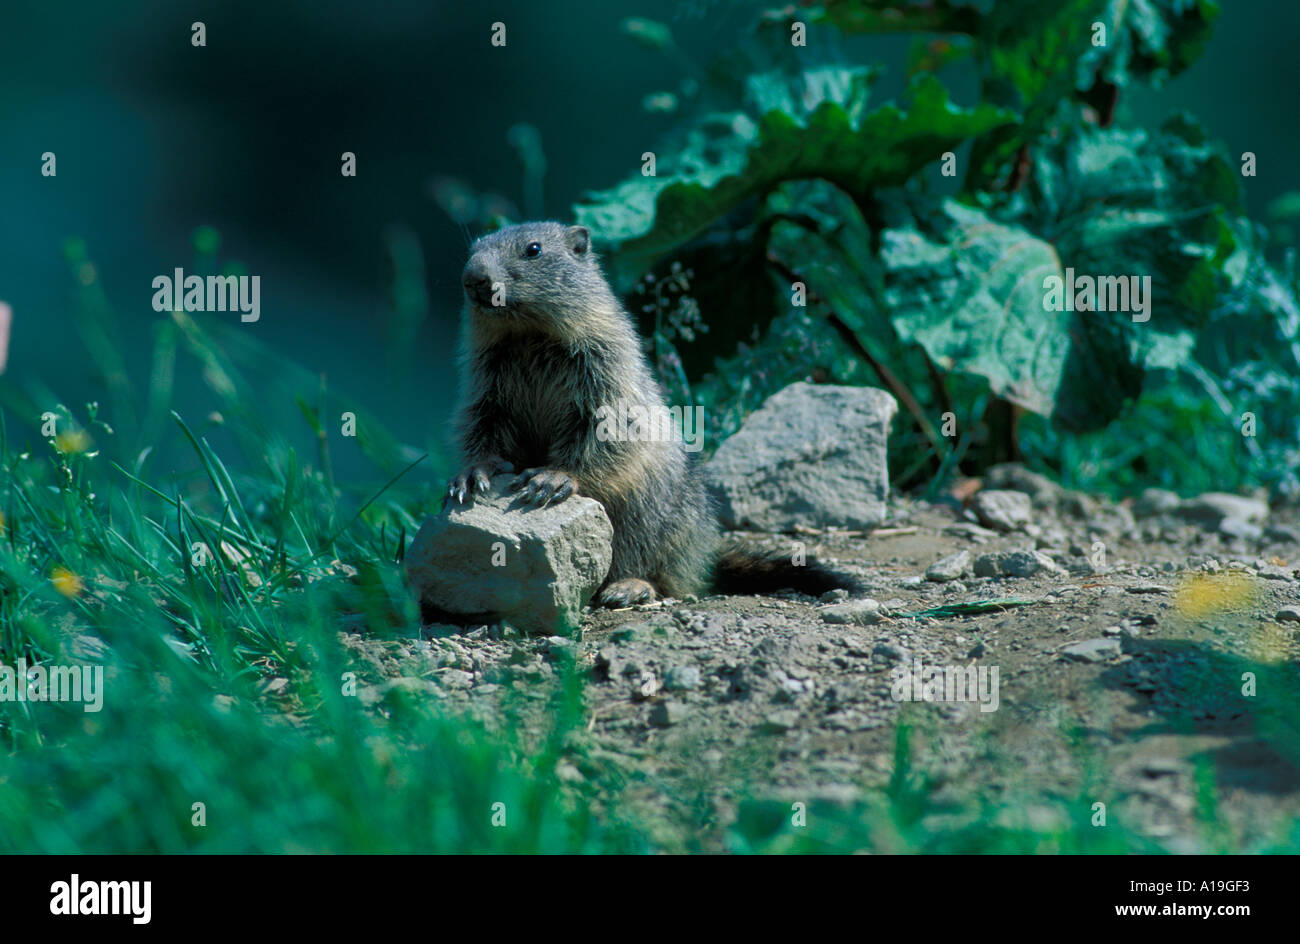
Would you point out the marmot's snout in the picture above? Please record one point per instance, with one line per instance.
(478, 282)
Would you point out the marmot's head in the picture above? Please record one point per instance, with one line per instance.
(534, 271)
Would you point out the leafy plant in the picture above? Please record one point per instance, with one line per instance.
(790, 176)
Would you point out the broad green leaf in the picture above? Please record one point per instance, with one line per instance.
(817, 126)
(1117, 203)
(821, 237)
(1150, 40)
(971, 293)
(1149, 209)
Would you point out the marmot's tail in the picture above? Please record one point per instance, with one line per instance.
(740, 571)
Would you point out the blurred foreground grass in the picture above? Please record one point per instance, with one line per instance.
(195, 594)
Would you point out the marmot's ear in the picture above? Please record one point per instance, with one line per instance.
(579, 239)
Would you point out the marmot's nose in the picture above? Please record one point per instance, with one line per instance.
(477, 282)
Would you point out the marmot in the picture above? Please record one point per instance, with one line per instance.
(546, 344)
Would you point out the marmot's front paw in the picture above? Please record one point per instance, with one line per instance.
(544, 486)
(476, 478)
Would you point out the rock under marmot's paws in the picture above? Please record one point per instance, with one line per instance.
(502, 559)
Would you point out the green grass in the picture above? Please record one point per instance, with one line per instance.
(189, 640)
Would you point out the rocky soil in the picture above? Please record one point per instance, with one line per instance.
(1126, 644)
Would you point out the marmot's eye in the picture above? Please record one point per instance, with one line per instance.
(534, 249)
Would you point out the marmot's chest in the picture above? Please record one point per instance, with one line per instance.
(543, 389)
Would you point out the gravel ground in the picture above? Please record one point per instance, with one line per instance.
(1122, 676)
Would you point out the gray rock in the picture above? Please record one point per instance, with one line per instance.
(1211, 508)
(1288, 614)
(1084, 568)
(454, 678)
(1156, 501)
(1147, 588)
(1282, 534)
(415, 687)
(1093, 650)
(793, 686)
(1270, 571)
(778, 721)
(667, 713)
(1051, 539)
(948, 568)
(988, 565)
(970, 531)
(891, 653)
(1103, 517)
(1012, 476)
(682, 678)
(1126, 627)
(610, 662)
(862, 612)
(1237, 528)
(561, 646)
(813, 455)
(1113, 519)
(1003, 510)
(1024, 563)
(555, 558)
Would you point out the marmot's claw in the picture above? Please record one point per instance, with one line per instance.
(455, 491)
(476, 478)
(543, 486)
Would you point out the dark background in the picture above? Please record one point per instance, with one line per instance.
(155, 137)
